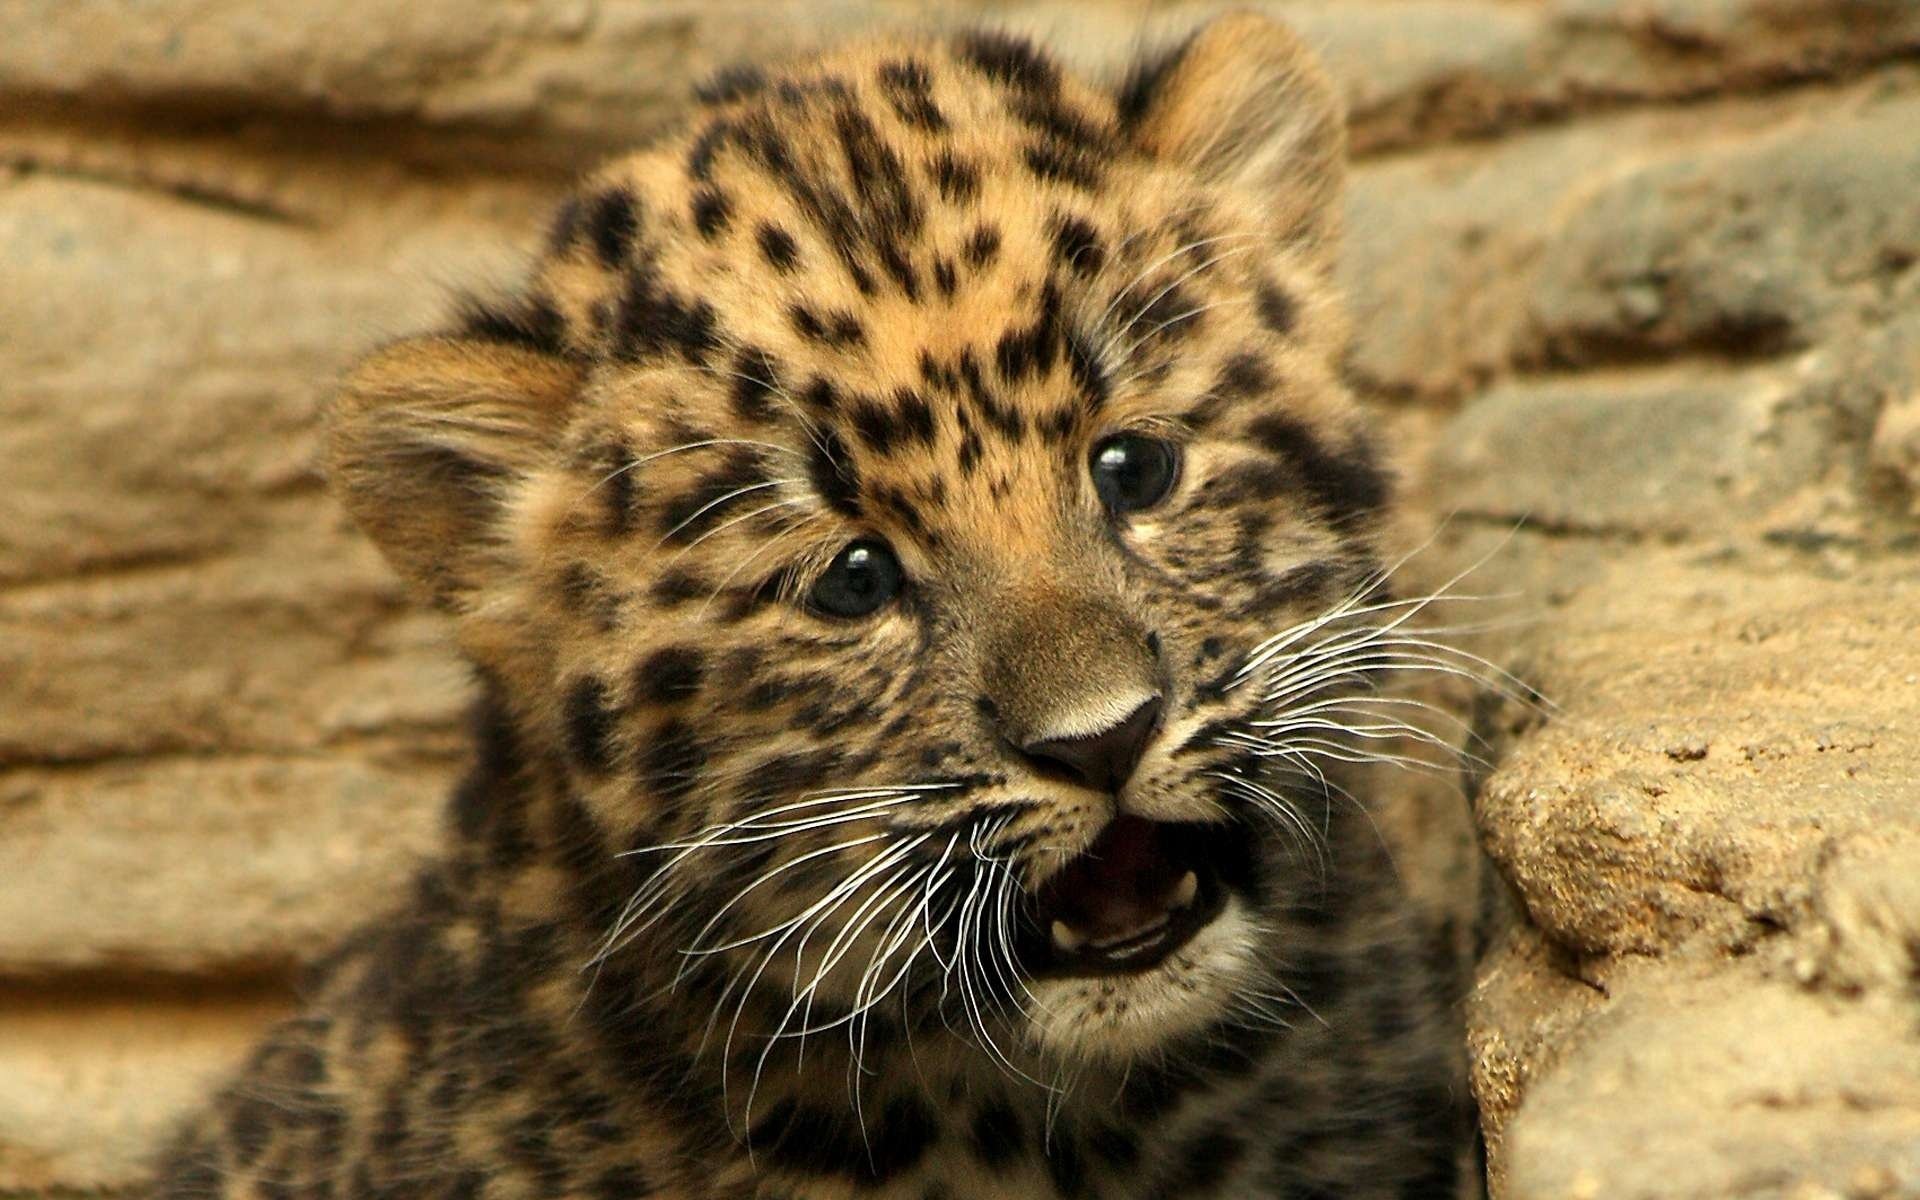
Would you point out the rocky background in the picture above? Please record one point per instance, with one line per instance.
(1637, 287)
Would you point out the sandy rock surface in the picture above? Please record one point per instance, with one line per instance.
(1636, 288)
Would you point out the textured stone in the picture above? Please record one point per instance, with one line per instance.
(90, 1084)
(1637, 274)
(1717, 1082)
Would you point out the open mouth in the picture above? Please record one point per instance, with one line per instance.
(1142, 890)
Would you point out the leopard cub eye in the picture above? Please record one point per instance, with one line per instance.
(1132, 472)
(859, 580)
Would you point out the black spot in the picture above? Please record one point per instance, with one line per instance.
(711, 211)
(878, 429)
(982, 245)
(833, 475)
(837, 328)
(1347, 486)
(908, 87)
(901, 1138)
(612, 221)
(820, 397)
(1064, 164)
(1032, 351)
(565, 229)
(1278, 310)
(532, 323)
(706, 148)
(776, 246)
(1065, 1167)
(915, 415)
(589, 725)
(670, 765)
(806, 1140)
(739, 82)
(944, 276)
(1010, 60)
(670, 675)
(998, 1135)
(653, 319)
(1076, 245)
(957, 179)
(1116, 1146)
(1245, 377)
(756, 384)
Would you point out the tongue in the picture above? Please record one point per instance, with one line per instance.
(1123, 882)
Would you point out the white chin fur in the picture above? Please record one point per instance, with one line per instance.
(1117, 1018)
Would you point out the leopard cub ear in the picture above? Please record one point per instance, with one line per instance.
(428, 438)
(1244, 104)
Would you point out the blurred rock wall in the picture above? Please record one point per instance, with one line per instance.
(1637, 291)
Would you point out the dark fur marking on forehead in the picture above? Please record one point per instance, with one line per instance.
(589, 725)
(567, 222)
(1013, 61)
(1278, 310)
(1058, 122)
(983, 244)
(1029, 352)
(702, 506)
(654, 319)
(532, 323)
(945, 277)
(712, 210)
(1064, 164)
(908, 86)
(612, 221)
(742, 81)
(837, 328)
(879, 176)
(706, 147)
(1076, 245)
(1245, 377)
(755, 385)
(670, 674)
(777, 247)
(957, 179)
(1347, 485)
(831, 471)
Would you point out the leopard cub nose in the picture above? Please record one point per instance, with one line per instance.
(1104, 759)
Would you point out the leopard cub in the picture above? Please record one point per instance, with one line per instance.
(923, 569)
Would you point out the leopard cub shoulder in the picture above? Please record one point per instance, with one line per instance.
(924, 571)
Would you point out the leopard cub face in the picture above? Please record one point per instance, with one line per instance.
(902, 513)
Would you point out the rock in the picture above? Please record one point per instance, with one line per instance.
(1699, 1084)
(91, 1084)
(1637, 277)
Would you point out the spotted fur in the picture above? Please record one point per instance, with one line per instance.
(727, 898)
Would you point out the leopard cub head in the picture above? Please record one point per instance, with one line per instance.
(898, 512)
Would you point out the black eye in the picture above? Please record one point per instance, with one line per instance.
(1131, 472)
(859, 580)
